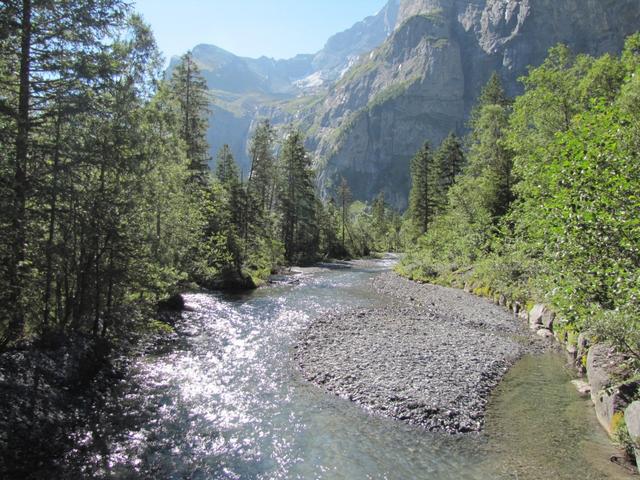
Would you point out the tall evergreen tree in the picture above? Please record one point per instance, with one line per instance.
(60, 53)
(227, 173)
(449, 159)
(298, 200)
(262, 177)
(490, 158)
(227, 170)
(344, 201)
(191, 91)
(425, 191)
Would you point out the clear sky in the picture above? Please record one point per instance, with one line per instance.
(252, 28)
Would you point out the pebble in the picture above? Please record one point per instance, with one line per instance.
(432, 367)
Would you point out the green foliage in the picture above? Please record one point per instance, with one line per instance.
(425, 195)
(190, 90)
(621, 435)
(548, 206)
(297, 201)
(449, 160)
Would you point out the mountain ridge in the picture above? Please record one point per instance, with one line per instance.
(408, 74)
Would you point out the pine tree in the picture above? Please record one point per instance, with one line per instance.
(490, 159)
(227, 173)
(298, 200)
(262, 177)
(191, 90)
(425, 190)
(227, 170)
(450, 160)
(344, 201)
(61, 54)
(493, 93)
(378, 211)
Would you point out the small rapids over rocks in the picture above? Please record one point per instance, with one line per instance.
(226, 399)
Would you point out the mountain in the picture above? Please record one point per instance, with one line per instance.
(423, 81)
(371, 97)
(246, 89)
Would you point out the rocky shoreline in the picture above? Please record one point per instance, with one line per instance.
(430, 357)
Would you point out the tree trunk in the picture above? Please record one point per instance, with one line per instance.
(52, 222)
(16, 327)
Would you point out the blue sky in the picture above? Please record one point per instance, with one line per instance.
(275, 28)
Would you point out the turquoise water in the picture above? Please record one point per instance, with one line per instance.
(227, 402)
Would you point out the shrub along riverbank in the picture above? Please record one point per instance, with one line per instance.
(547, 209)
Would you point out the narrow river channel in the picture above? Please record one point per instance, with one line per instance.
(226, 402)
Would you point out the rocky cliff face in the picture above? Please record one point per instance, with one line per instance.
(246, 89)
(411, 73)
(423, 81)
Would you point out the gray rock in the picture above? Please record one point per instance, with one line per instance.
(583, 345)
(603, 366)
(544, 333)
(432, 362)
(583, 388)
(535, 316)
(408, 74)
(422, 82)
(541, 315)
(632, 419)
(548, 319)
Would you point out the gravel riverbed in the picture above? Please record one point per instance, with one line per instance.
(430, 357)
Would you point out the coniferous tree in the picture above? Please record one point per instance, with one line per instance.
(227, 170)
(379, 214)
(297, 200)
(227, 173)
(425, 190)
(262, 177)
(450, 160)
(191, 90)
(490, 158)
(344, 201)
(61, 53)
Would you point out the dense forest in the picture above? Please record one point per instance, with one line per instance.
(546, 208)
(109, 206)
(108, 203)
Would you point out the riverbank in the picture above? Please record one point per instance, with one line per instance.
(430, 357)
(51, 390)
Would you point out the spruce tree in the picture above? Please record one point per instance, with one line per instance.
(298, 200)
(450, 160)
(344, 201)
(425, 190)
(191, 90)
(60, 54)
(227, 171)
(490, 158)
(262, 177)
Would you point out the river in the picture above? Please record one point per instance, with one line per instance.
(226, 402)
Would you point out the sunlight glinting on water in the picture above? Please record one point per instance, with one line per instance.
(228, 403)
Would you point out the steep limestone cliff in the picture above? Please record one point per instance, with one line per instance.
(423, 81)
(411, 73)
(246, 89)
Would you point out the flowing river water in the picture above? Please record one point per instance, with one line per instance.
(227, 402)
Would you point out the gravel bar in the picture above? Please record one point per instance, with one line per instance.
(430, 357)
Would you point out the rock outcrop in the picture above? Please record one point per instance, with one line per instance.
(632, 417)
(407, 75)
(423, 81)
(245, 90)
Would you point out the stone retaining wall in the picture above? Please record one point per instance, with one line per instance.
(602, 367)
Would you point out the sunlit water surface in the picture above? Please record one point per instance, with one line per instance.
(228, 403)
